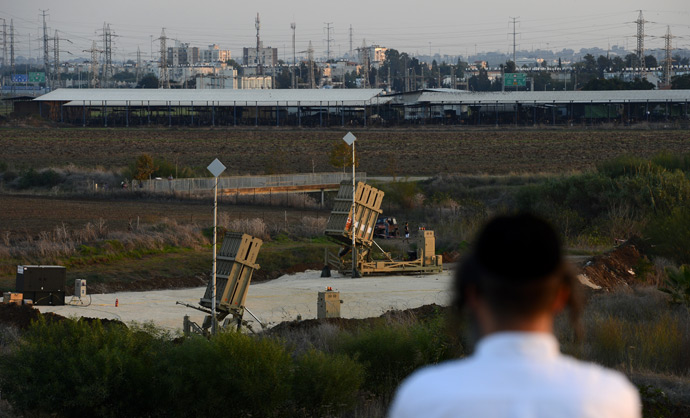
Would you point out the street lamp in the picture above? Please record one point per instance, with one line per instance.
(216, 168)
(350, 140)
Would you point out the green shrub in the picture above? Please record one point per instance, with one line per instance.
(77, 368)
(46, 178)
(669, 235)
(677, 285)
(391, 352)
(231, 372)
(326, 384)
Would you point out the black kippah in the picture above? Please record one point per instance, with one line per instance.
(518, 247)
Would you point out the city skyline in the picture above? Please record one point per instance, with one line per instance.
(441, 27)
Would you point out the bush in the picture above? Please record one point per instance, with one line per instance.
(677, 285)
(326, 384)
(390, 353)
(76, 368)
(250, 376)
(669, 235)
(45, 178)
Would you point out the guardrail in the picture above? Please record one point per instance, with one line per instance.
(282, 183)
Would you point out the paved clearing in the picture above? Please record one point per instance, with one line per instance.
(273, 302)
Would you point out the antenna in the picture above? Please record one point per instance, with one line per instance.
(515, 20)
(294, 57)
(328, 40)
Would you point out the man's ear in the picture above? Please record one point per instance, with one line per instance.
(561, 300)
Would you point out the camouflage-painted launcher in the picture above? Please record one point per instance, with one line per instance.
(368, 201)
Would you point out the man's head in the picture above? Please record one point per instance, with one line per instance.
(515, 276)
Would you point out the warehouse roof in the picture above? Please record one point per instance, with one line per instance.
(216, 97)
(448, 96)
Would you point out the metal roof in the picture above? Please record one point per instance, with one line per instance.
(612, 96)
(215, 97)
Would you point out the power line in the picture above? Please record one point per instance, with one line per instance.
(328, 40)
(640, 43)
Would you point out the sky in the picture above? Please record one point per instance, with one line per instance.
(418, 27)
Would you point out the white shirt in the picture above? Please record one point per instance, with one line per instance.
(516, 375)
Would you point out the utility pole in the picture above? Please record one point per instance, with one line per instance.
(46, 56)
(640, 43)
(515, 21)
(259, 69)
(668, 62)
(164, 80)
(328, 40)
(293, 26)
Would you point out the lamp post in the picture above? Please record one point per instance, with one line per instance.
(216, 168)
(350, 140)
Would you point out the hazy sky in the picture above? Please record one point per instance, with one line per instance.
(445, 26)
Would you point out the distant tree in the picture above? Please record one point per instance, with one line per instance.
(341, 156)
(631, 60)
(678, 60)
(480, 82)
(234, 64)
(149, 81)
(680, 82)
(510, 67)
(617, 84)
(125, 76)
(617, 64)
(144, 167)
(650, 61)
(603, 64)
(283, 79)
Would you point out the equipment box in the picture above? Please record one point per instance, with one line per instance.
(45, 285)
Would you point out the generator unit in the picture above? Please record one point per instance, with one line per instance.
(44, 285)
(328, 304)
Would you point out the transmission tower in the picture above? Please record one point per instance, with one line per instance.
(640, 43)
(4, 43)
(164, 80)
(515, 21)
(350, 40)
(12, 44)
(107, 55)
(259, 69)
(138, 73)
(94, 64)
(293, 26)
(328, 40)
(364, 51)
(310, 54)
(668, 61)
(56, 60)
(46, 55)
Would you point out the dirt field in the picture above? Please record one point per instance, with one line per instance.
(33, 214)
(411, 151)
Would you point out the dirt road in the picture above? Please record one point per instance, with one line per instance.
(273, 302)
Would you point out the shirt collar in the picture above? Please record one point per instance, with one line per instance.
(539, 345)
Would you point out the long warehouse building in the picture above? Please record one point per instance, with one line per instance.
(361, 107)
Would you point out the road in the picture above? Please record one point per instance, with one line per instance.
(283, 299)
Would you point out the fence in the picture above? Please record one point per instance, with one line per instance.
(283, 183)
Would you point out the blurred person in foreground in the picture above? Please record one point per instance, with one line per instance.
(511, 286)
